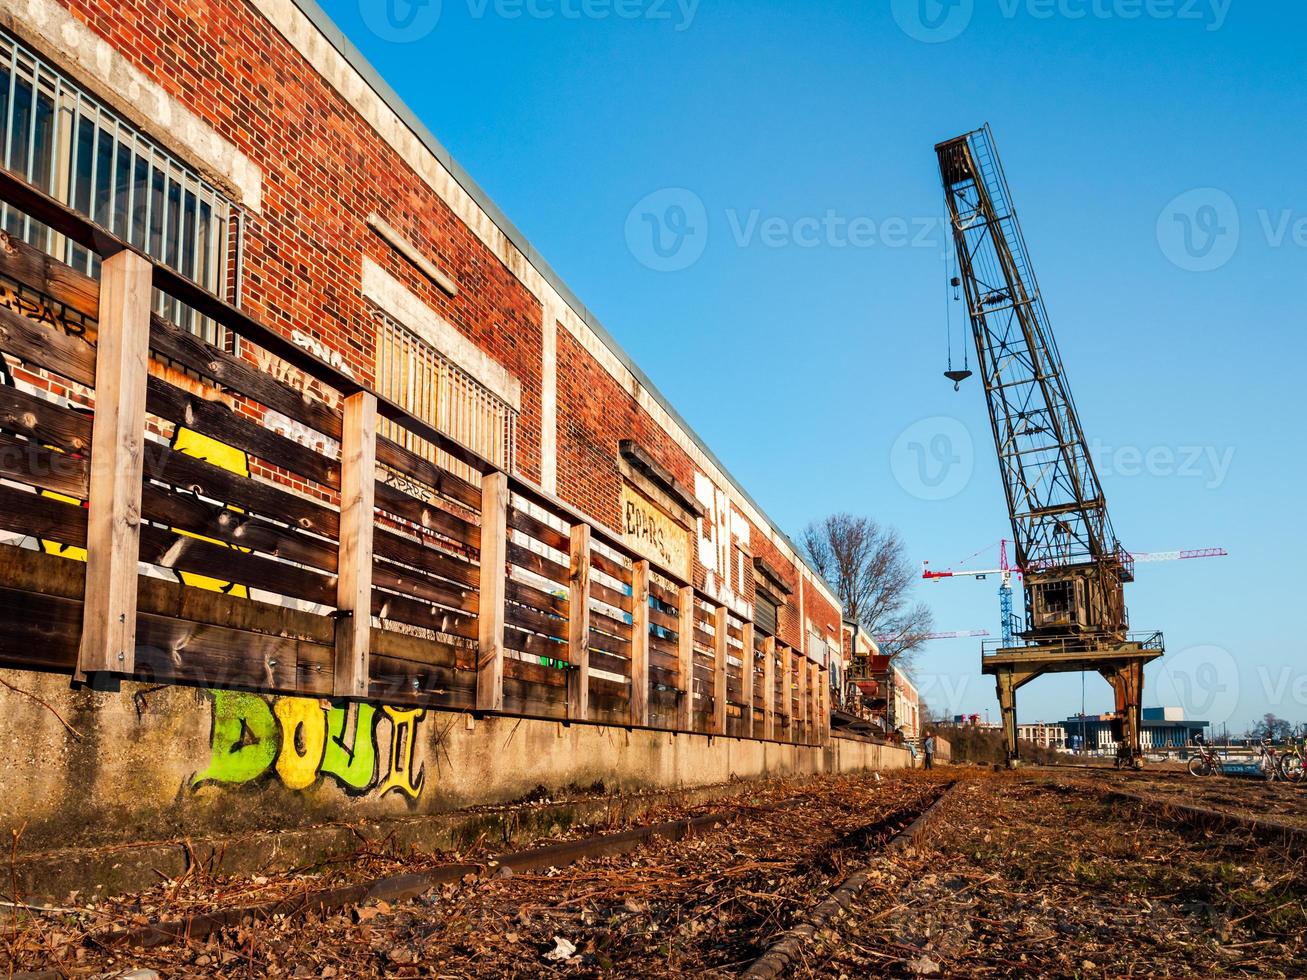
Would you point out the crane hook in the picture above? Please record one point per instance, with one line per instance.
(957, 377)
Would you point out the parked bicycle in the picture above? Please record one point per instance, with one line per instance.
(1206, 761)
(1268, 760)
(1293, 765)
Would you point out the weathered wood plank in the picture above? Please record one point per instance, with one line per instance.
(529, 595)
(578, 623)
(685, 658)
(358, 486)
(640, 643)
(428, 516)
(46, 346)
(749, 694)
(215, 420)
(117, 466)
(242, 377)
(520, 520)
(769, 688)
(427, 473)
(539, 564)
(720, 650)
(48, 276)
(494, 558)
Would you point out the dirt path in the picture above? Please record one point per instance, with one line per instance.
(705, 906)
(1023, 880)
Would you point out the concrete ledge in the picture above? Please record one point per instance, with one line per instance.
(158, 778)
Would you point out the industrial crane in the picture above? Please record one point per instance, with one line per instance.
(1010, 624)
(1073, 567)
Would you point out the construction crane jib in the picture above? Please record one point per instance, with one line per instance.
(1074, 568)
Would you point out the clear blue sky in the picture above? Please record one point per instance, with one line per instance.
(805, 358)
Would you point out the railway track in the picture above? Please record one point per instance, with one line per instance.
(710, 893)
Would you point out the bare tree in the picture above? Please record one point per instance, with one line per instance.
(866, 564)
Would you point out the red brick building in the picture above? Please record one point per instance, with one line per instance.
(249, 145)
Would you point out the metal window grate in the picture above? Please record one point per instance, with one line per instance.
(61, 139)
(416, 376)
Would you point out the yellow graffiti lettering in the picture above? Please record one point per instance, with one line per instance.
(196, 444)
(403, 747)
(303, 740)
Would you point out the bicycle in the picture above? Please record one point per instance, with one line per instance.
(1206, 761)
(1293, 764)
(1268, 760)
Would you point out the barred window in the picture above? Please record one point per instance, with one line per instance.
(417, 377)
(59, 138)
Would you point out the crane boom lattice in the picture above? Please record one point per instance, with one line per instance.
(1075, 569)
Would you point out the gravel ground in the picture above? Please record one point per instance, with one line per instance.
(1278, 800)
(707, 905)
(1018, 879)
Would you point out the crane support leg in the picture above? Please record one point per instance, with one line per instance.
(1127, 680)
(1008, 681)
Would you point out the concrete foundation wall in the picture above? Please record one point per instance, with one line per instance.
(159, 763)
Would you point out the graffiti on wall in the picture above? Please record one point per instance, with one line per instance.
(300, 742)
(648, 531)
(723, 542)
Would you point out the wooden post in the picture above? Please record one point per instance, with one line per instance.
(358, 491)
(640, 643)
(805, 715)
(787, 691)
(814, 694)
(578, 625)
(748, 665)
(117, 467)
(490, 617)
(823, 706)
(720, 647)
(769, 688)
(685, 660)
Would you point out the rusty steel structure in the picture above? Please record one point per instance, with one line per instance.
(1075, 568)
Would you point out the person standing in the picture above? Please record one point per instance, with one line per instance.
(929, 747)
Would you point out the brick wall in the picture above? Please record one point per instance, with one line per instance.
(324, 171)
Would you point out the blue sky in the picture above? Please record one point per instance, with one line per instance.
(795, 309)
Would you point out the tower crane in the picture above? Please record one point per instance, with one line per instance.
(1074, 570)
(1011, 625)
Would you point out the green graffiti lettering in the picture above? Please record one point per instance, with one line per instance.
(354, 767)
(244, 740)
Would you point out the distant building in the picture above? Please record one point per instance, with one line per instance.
(1162, 728)
(1048, 735)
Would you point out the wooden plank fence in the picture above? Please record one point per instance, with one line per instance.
(293, 550)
